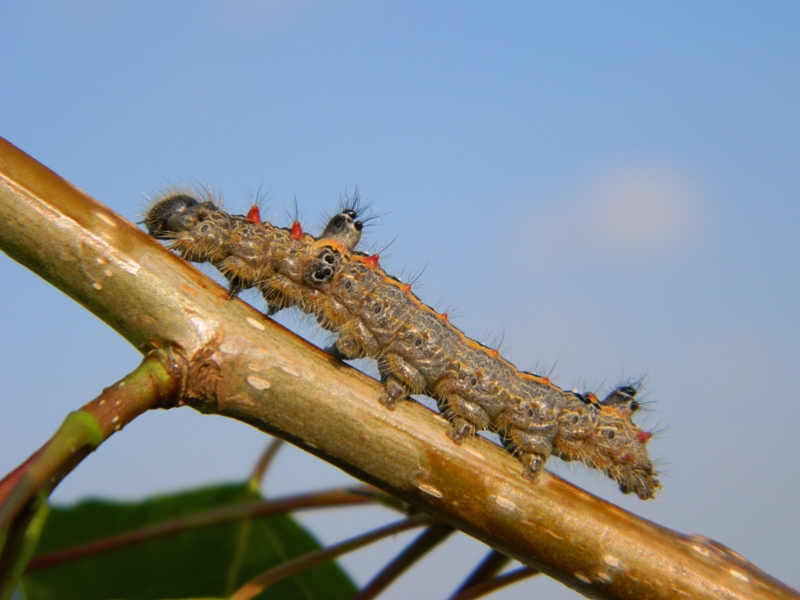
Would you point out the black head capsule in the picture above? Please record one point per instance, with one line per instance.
(345, 228)
(172, 214)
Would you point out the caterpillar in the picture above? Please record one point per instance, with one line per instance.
(418, 350)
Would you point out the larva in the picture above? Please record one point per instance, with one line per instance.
(418, 350)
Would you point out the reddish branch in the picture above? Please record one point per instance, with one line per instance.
(156, 383)
(247, 510)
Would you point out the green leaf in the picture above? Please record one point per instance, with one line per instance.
(211, 561)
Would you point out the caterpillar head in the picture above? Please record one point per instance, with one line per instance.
(199, 231)
(619, 449)
(604, 436)
(172, 214)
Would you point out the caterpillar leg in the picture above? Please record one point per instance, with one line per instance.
(531, 448)
(356, 341)
(239, 273)
(346, 347)
(279, 292)
(395, 391)
(466, 418)
(533, 464)
(235, 285)
(400, 377)
(641, 482)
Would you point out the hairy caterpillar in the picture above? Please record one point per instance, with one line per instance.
(418, 350)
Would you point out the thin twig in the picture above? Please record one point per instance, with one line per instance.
(495, 583)
(490, 566)
(20, 542)
(263, 464)
(427, 541)
(312, 559)
(246, 510)
(155, 383)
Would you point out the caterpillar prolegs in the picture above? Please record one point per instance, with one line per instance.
(418, 351)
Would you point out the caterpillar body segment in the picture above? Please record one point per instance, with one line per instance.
(417, 349)
(246, 251)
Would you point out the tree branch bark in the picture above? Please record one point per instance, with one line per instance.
(244, 366)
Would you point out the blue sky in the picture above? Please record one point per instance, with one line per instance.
(611, 187)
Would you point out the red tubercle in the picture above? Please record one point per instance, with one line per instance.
(297, 231)
(443, 316)
(494, 353)
(644, 436)
(545, 380)
(254, 215)
(406, 288)
(372, 261)
(591, 398)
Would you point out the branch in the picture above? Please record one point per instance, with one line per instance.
(244, 366)
(208, 518)
(307, 561)
(427, 541)
(495, 583)
(20, 542)
(489, 567)
(155, 383)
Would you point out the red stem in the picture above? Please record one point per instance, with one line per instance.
(340, 497)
